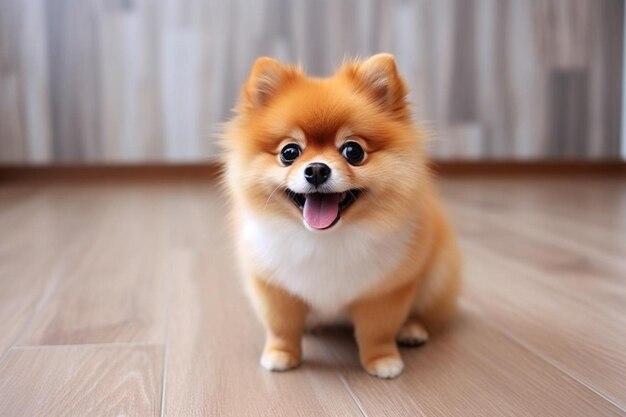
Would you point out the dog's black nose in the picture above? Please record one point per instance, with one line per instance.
(317, 173)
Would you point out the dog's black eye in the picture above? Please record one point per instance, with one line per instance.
(353, 153)
(289, 153)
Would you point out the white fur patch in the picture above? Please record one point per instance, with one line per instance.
(387, 368)
(328, 268)
(278, 361)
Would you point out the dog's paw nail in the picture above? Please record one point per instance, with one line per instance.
(412, 334)
(387, 367)
(276, 360)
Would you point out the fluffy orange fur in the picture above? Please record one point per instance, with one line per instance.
(364, 102)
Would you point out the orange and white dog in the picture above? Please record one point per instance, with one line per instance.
(336, 214)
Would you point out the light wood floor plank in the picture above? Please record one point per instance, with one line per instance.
(585, 343)
(81, 381)
(26, 280)
(20, 298)
(112, 289)
(599, 201)
(542, 215)
(570, 269)
(470, 370)
(108, 272)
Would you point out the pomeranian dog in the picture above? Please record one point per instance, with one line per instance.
(336, 216)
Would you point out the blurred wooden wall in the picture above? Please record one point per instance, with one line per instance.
(149, 80)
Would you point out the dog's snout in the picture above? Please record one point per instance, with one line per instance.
(317, 173)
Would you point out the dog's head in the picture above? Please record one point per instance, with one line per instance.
(324, 150)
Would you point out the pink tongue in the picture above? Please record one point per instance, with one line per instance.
(321, 210)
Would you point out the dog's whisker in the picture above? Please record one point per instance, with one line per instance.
(271, 194)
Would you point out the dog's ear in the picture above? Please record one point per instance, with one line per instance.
(378, 76)
(266, 78)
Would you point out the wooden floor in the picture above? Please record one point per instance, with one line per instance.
(122, 299)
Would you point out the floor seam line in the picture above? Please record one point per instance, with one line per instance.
(165, 363)
(352, 394)
(88, 345)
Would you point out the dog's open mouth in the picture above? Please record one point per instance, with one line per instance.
(322, 210)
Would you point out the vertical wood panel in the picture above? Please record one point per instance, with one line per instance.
(73, 30)
(568, 102)
(12, 137)
(141, 80)
(33, 70)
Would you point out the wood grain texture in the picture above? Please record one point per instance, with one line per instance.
(23, 284)
(150, 81)
(122, 297)
(471, 370)
(580, 338)
(524, 248)
(112, 290)
(81, 381)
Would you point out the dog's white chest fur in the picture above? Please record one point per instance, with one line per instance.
(328, 269)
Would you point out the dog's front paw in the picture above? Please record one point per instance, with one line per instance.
(279, 360)
(386, 367)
